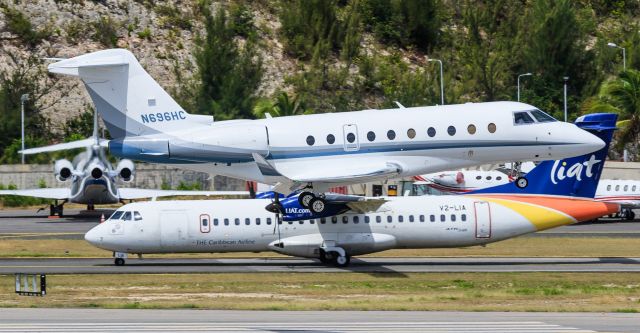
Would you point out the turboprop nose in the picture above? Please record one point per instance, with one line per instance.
(94, 236)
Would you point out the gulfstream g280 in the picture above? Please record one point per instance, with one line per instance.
(314, 151)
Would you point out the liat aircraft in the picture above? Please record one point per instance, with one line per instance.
(93, 180)
(363, 227)
(319, 151)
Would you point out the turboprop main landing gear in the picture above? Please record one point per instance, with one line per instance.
(334, 255)
(314, 203)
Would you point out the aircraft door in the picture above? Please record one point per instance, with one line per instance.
(173, 228)
(350, 133)
(483, 219)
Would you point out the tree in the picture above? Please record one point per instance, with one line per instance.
(229, 75)
(281, 106)
(622, 96)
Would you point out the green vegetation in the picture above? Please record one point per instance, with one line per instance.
(19, 24)
(229, 76)
(588, 292)
(342, 55)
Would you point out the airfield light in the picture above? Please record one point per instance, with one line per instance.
(441, 79)
(624, 54)
(566, 79)
(525, 74)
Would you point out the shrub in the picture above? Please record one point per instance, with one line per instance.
(18, 24)
(105, 31)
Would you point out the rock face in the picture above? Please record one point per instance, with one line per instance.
(161, 35)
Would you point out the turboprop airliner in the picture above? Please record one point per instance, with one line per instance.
(319, 151)
(363, 226)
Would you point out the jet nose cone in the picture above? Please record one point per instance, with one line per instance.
(93, 236)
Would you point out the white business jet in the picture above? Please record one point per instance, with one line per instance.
(319, 151)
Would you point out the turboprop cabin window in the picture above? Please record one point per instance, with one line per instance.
(137, 216)
(389, 219)
(453, 218)
(205, 225)
(542, 117)
(617, 187)
(633, 189)
(268, 221)
(421, 218)
(463, 217)
(520, 118)
(626, 188)
(257, 221)
(366, 219)
(400, 218)
(334, 219)
(247, 221)
(608, 187)
(116, 215)
(226, 221)
(432, 218)
(237, 221)
(215, 222)
(356, 219)
(378, 219)
(126, 216)
(442, 218)
(345, 219)
(410, 218)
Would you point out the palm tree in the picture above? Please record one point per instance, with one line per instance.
(622, 96)
(282, 106)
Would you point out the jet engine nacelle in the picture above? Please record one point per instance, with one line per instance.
(125, 170)
(96, 171)
(63, 170)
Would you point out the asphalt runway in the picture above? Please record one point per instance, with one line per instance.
(112, 320)
(362, 265)
(29, 224)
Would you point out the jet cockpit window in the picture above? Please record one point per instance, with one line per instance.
(116, 215)
(126, 216)
(137, 216)
(520, 118)
(542, 117)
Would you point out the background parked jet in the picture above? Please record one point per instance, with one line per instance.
(93, 180)
(558, 198)
(318, 151)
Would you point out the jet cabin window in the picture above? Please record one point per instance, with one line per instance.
(520, 118)
(542, 117)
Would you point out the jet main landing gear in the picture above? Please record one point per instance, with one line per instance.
(309, 200)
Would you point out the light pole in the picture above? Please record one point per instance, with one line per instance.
(525, 74)
(441, 80)
(566, 79)
(624, 55)
(23, 99)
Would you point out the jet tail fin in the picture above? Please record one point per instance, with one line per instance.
(577, 176)
(129, 100)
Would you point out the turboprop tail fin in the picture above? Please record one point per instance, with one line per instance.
(129, 100)
(577, 176)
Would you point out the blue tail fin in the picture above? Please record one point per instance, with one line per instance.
(577, 176)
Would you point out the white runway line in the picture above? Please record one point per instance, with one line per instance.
(448, 327)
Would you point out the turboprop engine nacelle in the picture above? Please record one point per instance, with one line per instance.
(63, 170)
(125, 170)
(355, 242)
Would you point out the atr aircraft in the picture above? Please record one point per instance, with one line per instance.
(558, 198)
(314, 152)
(93, 178)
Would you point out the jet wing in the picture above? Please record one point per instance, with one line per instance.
(624, 203)
(141, 193)
(65, 146)
(328, 172)
(46, 193)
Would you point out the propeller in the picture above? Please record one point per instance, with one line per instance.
(276, 207)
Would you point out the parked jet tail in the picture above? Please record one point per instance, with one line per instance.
(576, 176)
(129, 100)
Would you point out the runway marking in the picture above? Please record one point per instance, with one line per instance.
(450, 327)
(38, 234)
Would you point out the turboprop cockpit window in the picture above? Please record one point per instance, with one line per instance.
(137, 216)
(126, 216)
(116, 215)
(520, 118)
(542, 117)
